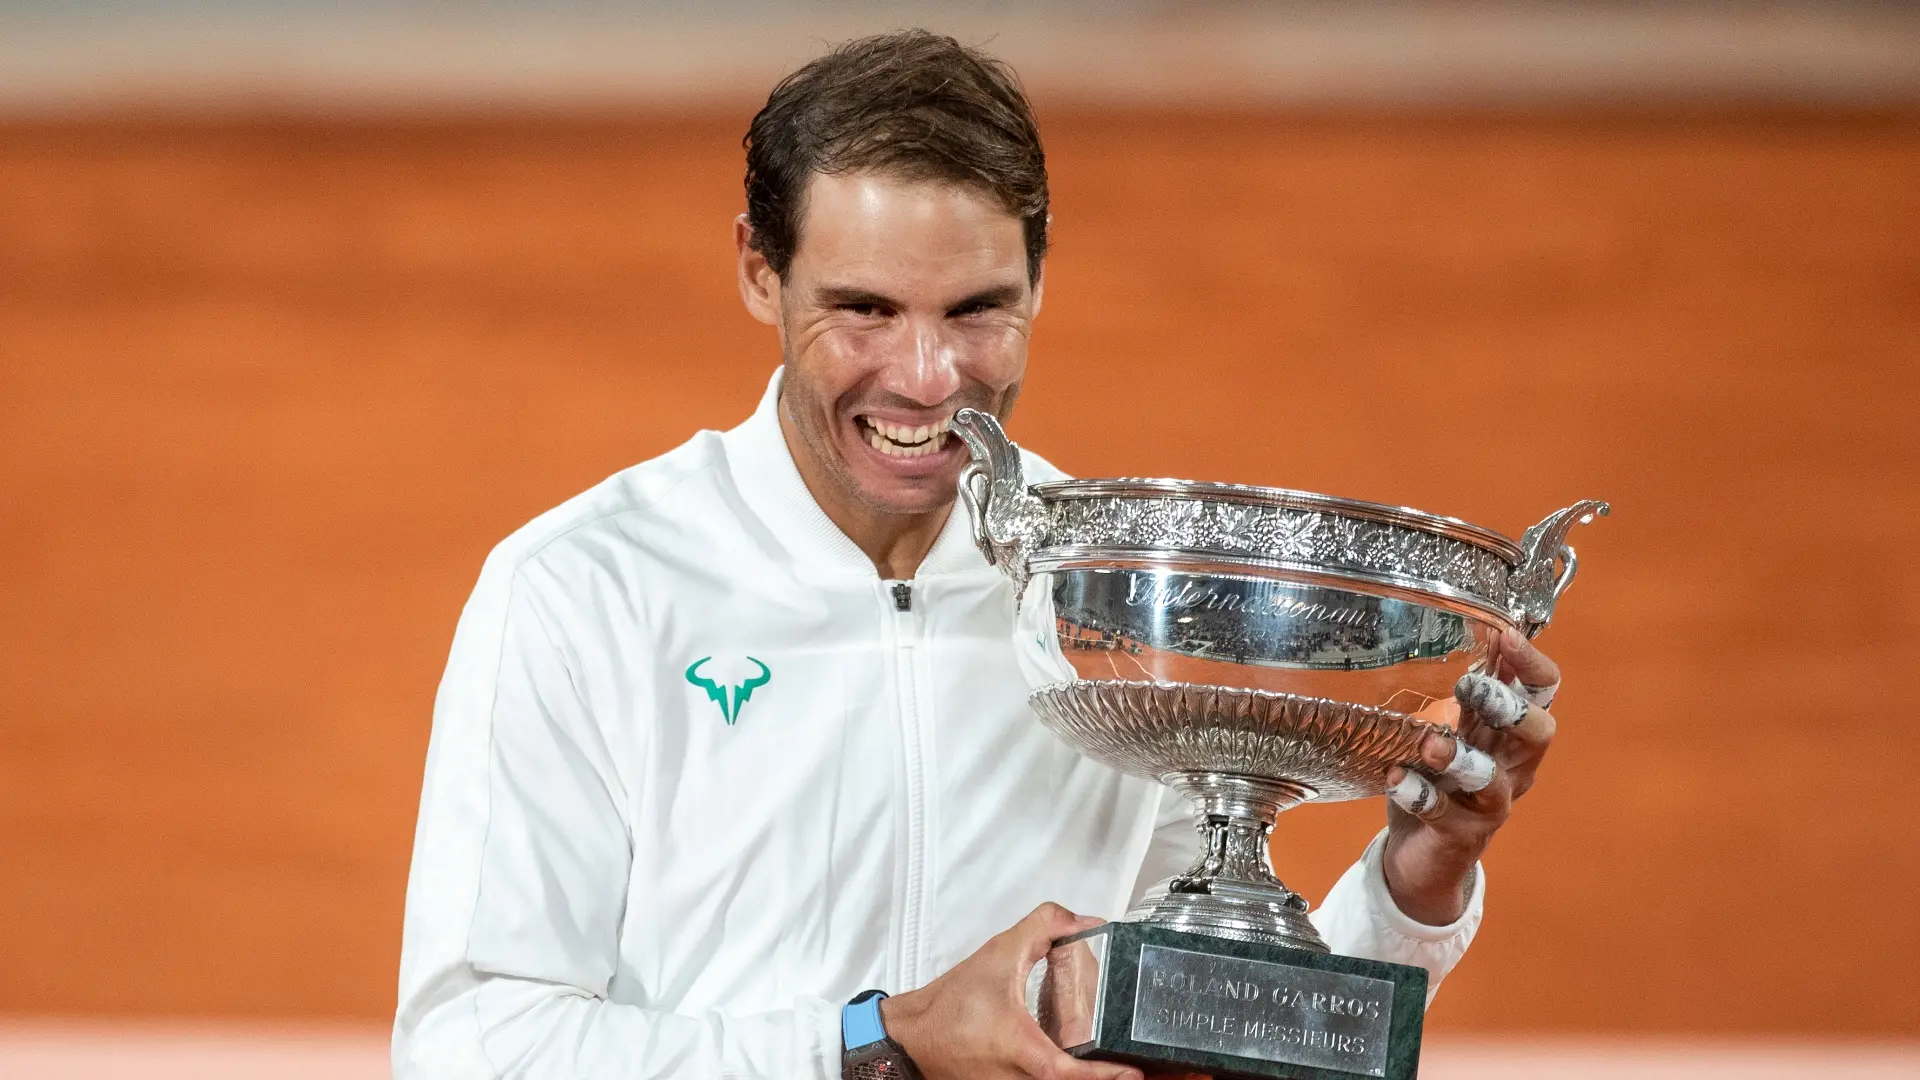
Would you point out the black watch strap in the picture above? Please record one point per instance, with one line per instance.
(867, 1052)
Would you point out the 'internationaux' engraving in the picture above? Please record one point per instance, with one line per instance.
(1268, 1012)
(1190, 593)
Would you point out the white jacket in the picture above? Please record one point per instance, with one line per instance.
(696, 779)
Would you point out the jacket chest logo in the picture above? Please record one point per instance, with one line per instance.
(733, 698)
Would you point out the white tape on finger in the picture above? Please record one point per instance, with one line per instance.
(1540, 695)
(1415, 794)
(1496, 704)
(1471, 769)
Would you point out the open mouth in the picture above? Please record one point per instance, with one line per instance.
(902, 441)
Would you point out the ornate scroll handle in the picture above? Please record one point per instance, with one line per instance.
(1547, 565)
(1008, 520)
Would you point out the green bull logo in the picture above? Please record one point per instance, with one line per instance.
(729, 710)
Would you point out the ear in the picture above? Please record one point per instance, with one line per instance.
(1039, 288)
(759, 285)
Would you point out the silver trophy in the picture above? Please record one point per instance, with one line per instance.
(1255, 648)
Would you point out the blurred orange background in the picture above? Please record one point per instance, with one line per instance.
(270, 388)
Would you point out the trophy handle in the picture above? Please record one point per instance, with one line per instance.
(1008, 520)
(1547, 565)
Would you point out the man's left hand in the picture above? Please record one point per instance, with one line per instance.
(1438, 827)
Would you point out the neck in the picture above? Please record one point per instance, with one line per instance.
(897, 543)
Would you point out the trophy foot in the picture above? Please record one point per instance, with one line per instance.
(1231, 892)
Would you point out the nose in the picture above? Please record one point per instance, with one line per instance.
(928, 371)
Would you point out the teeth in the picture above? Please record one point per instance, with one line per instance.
(898, 440)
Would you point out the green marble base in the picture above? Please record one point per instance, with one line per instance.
(1162, 998)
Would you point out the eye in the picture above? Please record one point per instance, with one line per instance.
(974, 308)
(864, 310)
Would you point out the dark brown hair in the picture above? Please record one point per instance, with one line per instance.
(915, 105)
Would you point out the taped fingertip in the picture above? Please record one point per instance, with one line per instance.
(1415, 794)
(1492, 701)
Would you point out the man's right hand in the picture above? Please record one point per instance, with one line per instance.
(972, 1022)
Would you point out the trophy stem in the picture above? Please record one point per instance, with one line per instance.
(1231, 890)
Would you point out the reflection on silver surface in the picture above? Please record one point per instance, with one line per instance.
(1156, 623)
(1254, 647)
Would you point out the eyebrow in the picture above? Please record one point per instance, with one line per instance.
(996, 296)
(1004, 295)
(851, 295)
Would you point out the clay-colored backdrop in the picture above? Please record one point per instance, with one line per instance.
(269, 391)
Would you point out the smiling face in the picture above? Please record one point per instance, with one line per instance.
(904, 302)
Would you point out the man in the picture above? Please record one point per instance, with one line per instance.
(738, 733)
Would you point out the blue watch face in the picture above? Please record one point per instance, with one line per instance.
(860, 1022)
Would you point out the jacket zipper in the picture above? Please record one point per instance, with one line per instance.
(905, 640)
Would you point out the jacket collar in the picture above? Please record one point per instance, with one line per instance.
(770, 484)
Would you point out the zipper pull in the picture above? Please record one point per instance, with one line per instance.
(902, 596)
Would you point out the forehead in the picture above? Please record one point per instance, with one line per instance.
(878, 229)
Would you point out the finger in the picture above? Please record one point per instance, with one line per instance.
(1045, 924)
(1539, 695)
(1492, 702)
(1098, 1070)
(1459, 764)
(1415, 794)
(1057, 920)
(1539, 676)
(1043, 1059)
(1529, 738)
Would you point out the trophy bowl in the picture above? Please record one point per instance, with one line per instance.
(1255, 648)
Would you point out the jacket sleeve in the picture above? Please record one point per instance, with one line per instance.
(1175, 844)
(1359, 918)
(519, 881)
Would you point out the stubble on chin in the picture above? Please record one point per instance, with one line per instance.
(831, 468)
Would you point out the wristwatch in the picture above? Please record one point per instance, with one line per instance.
(868, 1054)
